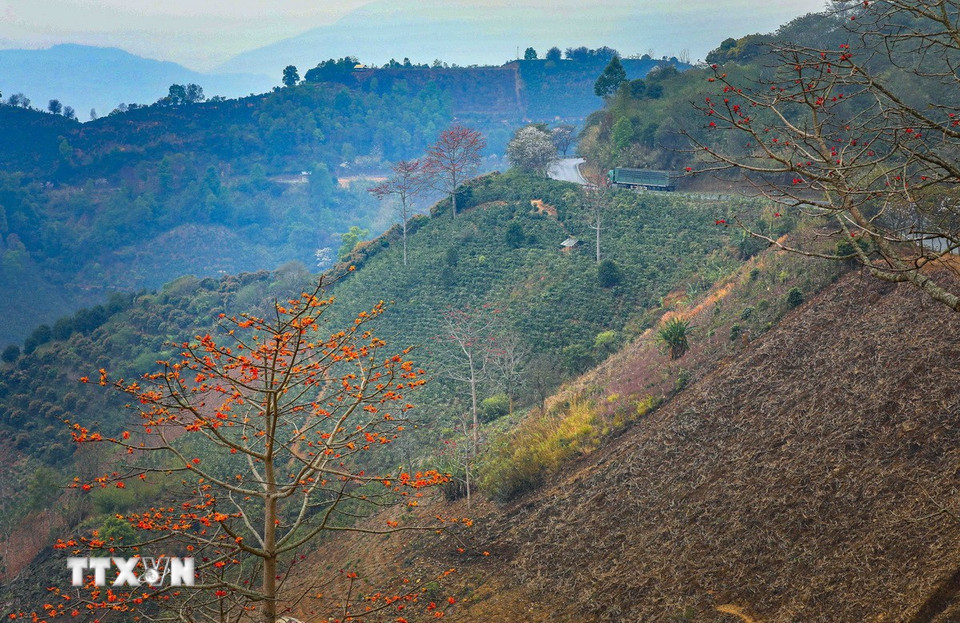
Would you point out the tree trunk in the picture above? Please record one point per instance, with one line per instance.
(476, 425)
(453, 195)
(466, 480)
(269, 610)
(598, 239)
(473, 398)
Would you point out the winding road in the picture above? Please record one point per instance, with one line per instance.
(568, 170)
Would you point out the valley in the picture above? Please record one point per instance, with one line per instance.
(382, 344)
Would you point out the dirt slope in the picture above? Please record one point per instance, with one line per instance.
(814, 477)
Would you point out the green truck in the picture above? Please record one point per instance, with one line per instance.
(643, 178)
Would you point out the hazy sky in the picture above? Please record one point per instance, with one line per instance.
(203, 33)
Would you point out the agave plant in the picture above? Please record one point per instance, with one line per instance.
(673, 335)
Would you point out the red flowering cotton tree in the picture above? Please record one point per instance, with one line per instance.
(453, 159)
(267, 428)
(863, 136)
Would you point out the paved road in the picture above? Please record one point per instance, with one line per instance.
(568, 170)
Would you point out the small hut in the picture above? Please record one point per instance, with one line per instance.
(569, 243)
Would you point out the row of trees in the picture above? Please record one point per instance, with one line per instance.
(339, 70)
(454, 158)
(581, 54)
(54, 106)
(451, 161)
(177, 95)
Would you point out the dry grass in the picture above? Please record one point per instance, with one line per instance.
(814, 477)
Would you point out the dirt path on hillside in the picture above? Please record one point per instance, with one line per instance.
(737, 611)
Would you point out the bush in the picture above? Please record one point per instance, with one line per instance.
(10, 353)
(536, 448)
(746, 313)
(576, 358)
(735, 332)
(673, 337)
(845, 247)
(794, 297)
(608, 274)
(494, 407)
(515, 236)
(606, 343)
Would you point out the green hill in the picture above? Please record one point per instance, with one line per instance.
(122, 202)
(555, 301)
(641, 124)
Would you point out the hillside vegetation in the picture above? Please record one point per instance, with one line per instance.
(641, 124)
(123, 202)
(119, 203)
(806, 474)
(810, 477)
(554, 301)
(675, 420)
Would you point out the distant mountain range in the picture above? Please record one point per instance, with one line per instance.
(455, 32)
(87, 77)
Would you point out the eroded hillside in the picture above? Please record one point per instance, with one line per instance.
(811, 477)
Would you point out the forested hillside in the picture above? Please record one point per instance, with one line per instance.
(122, 202)
(501, 257)
(735, 402)
(118, 203)
(643, 123)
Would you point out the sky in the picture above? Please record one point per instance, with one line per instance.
(201, 34)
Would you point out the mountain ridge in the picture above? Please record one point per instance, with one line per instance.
(111, 76)
(454, 33)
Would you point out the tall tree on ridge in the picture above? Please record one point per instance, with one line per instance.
(453, 159)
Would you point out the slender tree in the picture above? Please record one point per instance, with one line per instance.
(453, 159)
(407, 182)
(595, 201)
(510, 355)
(467, 345)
